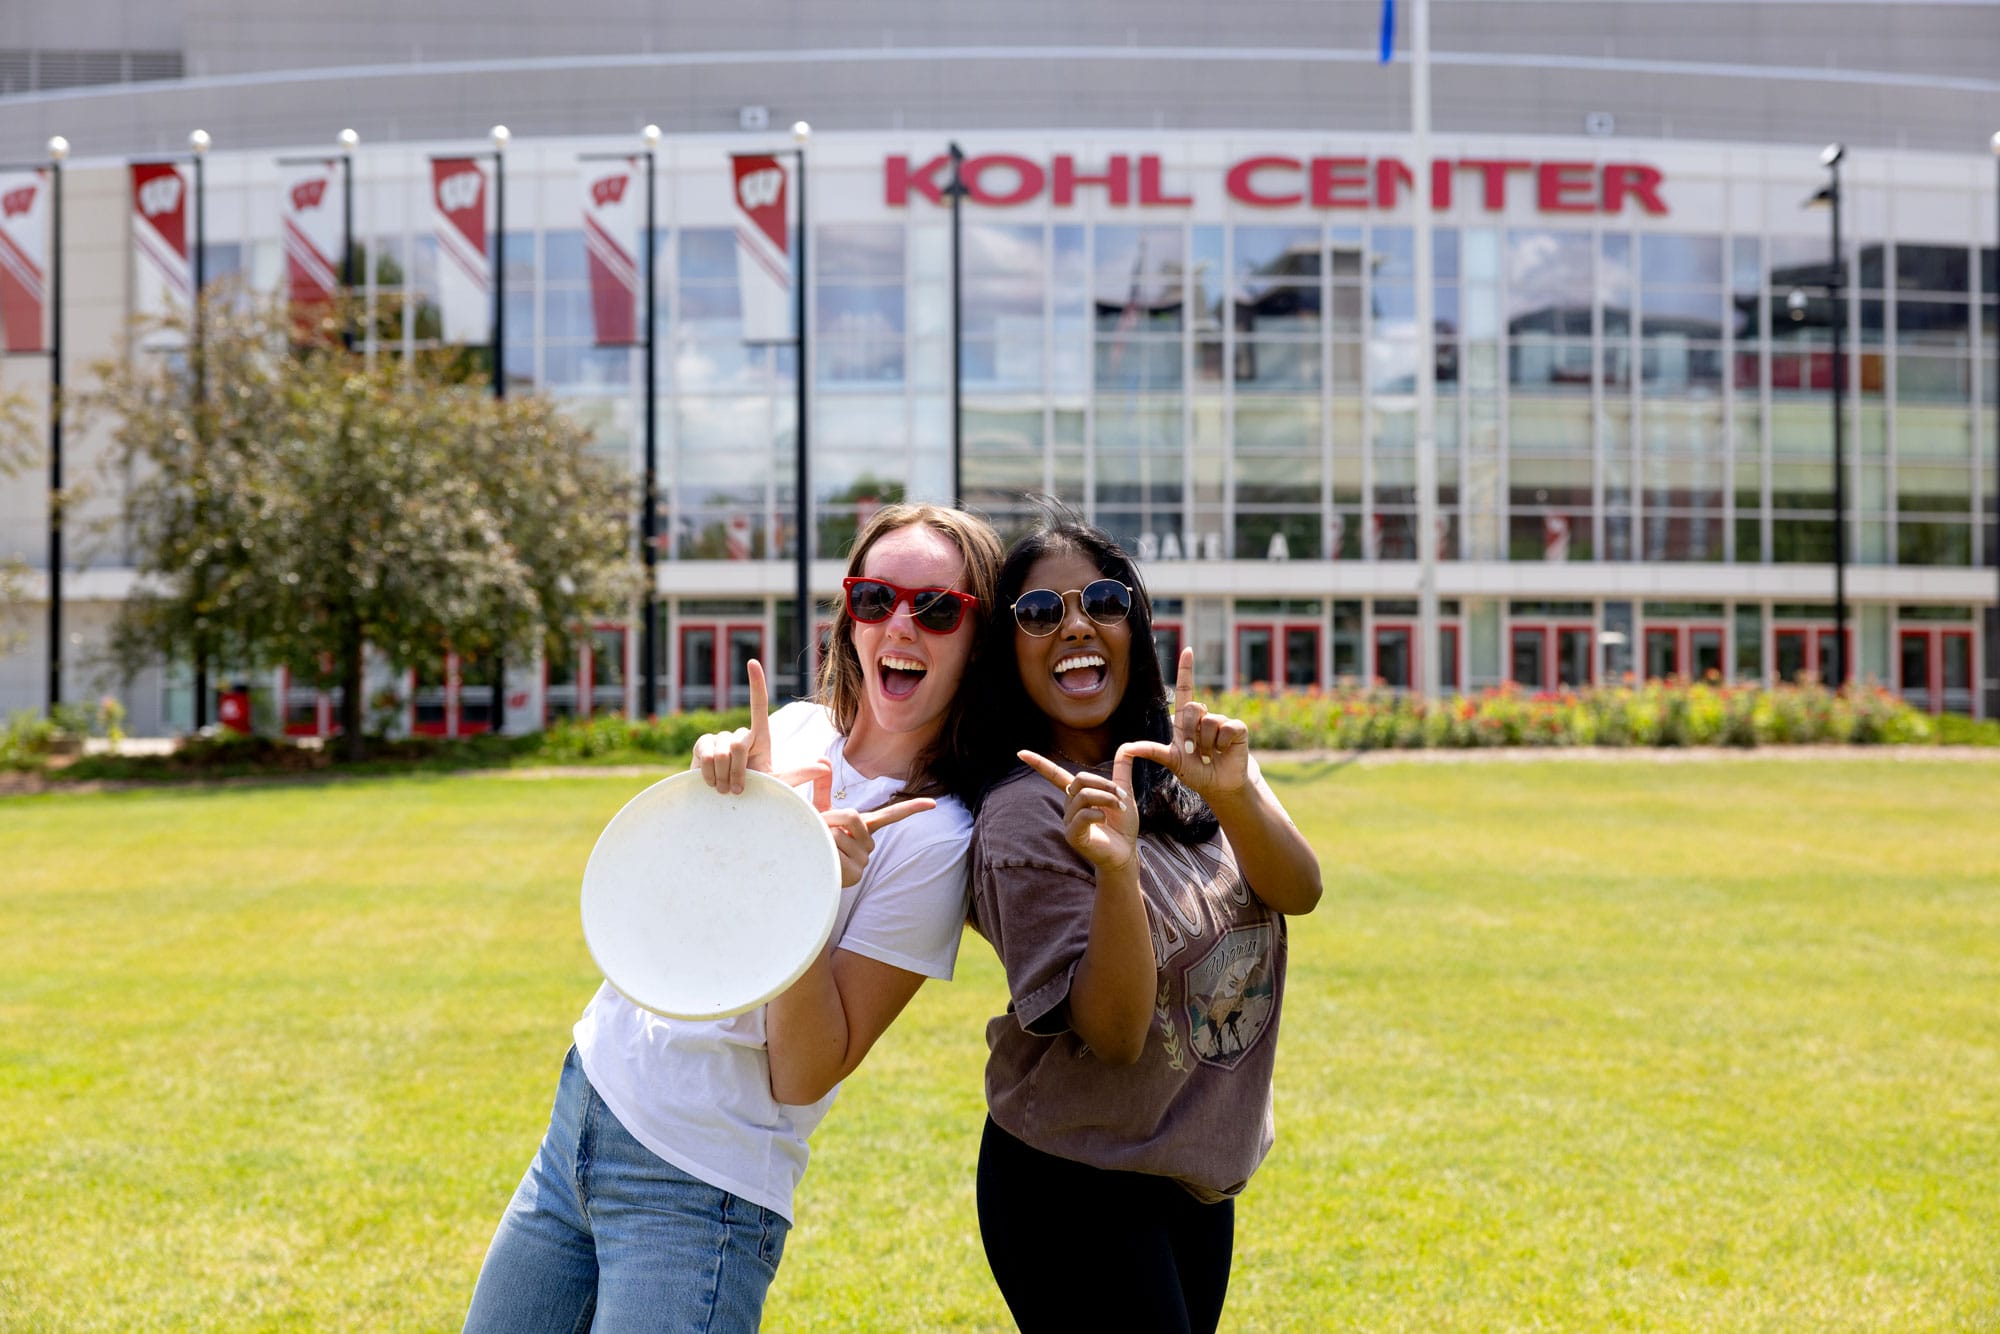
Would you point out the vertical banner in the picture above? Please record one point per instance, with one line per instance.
(613, 214)
(310, 214)
(162, 273)
(465, 281)
(24, 248)
(1555, 537)
(763, 247)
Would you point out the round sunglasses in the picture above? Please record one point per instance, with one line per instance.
(1039, 611)
(938, 610)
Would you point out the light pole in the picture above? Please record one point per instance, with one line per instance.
(802, 475)
(1829, 196)
(649, 519)
(957, 192)
(198, 142)
(349, 281)
(1993, 485)
(58, 150)
(500, 135)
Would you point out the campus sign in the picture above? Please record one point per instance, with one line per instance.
(1003, 180)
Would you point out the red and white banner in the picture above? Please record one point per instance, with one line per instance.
(613, 211)
(763, 250)
(310, 213)
(1555, 537)
(465, 274)
(162, 274)
(24, 249)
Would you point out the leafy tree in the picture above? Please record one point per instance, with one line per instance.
(293, 502)
(21, 427)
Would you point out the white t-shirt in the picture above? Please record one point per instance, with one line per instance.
(699, 1094)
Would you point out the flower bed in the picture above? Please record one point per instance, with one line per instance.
(1356, 717)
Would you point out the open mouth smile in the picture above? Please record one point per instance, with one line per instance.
(900, 676)
(1080, 673)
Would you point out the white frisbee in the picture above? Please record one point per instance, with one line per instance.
(698, 904)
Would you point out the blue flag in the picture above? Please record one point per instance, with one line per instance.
(1388, 31)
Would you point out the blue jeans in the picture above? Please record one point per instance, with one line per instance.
(604, 1235)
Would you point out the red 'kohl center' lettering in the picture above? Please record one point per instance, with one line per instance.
(1277, 181)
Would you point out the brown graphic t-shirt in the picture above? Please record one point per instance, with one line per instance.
(1197, 1105)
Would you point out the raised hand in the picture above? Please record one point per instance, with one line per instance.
(1100, 817)
(1209, 752)
(724, 757)
(854, 831)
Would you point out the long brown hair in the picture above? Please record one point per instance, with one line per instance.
(840, 680)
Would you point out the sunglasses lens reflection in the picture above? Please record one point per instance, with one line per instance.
(936, 611)
(870, 602)
(1107, 602)
(1039, 611)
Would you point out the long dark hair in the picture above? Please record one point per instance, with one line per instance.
(1006, 720)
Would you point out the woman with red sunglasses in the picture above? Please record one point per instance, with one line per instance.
(662, 1192)
(1133, 872)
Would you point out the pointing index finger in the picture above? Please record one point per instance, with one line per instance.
(1184, 679)
(900, 810)
(760, 705)
(1047, 768)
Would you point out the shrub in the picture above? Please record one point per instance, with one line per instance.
(1657, 713)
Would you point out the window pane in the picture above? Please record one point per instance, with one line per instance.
(859, 250)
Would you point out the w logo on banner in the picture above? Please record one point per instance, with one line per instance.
(610, 190)
(16, 202)
(763, 245)
(760, 189)
(161, 195)
(308, 194)
(611, 221)
(460, 190)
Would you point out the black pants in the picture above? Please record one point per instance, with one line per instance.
(1078, 1248)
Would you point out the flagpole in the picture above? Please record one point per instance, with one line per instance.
(58, 150)
(1426, 425)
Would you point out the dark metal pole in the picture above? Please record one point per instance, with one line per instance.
(498, 711)
(802, 477)
(200, 141)
(499, 263)
(1993, 485)
(1842, 672)
(349, 281)
(957, 337)
(58, 147)
(649, 518)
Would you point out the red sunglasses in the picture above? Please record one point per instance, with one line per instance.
(938, 610)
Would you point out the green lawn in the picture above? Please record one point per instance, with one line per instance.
(1568, 1046)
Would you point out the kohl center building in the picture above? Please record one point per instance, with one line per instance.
(1186, 307)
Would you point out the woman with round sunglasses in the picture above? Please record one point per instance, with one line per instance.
(662, 1192)
(1133, 872)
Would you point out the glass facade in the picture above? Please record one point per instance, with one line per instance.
(1228, 381)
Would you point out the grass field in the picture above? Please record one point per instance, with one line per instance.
(1569, 1046)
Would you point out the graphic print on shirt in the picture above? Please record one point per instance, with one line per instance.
(1170, 1033)
(1230, 995)
(1182, 872)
